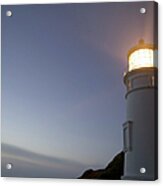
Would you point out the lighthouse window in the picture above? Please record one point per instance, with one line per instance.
(127, 136)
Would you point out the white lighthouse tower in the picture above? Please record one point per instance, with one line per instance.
(140, 129)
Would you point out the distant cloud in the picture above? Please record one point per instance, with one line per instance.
(30, 164)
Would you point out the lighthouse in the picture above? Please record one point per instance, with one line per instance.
(140, 128)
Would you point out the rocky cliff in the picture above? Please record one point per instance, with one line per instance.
(113, 171)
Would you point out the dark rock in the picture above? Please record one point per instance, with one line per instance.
(113, 171)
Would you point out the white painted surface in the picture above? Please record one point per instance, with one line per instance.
(141, 106)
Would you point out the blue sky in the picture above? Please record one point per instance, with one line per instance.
(62, 77)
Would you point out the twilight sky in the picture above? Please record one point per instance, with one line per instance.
(62, 80)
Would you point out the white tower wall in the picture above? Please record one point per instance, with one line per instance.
(140, 130)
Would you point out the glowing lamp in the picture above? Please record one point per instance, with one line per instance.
(141, 56)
